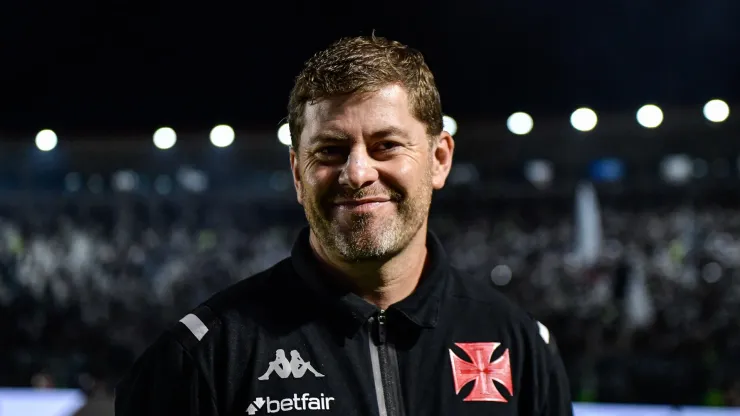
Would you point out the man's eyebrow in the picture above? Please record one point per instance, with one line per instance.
(390, 131)
(329, 136)
(339, 136)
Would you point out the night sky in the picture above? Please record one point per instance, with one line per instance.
(106, 67)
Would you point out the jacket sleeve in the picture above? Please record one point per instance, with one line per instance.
(555, 387)
(165, 380)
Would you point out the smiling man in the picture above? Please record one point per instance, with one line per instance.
(386, 326)
(364, 170)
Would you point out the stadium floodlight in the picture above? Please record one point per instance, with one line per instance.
(716, 111)
(520, 123)
(449, 125)
(284, 134)
(501, 275)
(164, 138)
(539, 172)
(676, 169)
(222, 135)
(125, 180)
(46, 140)
(650, 116)
(584, 119)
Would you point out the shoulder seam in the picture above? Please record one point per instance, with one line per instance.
(196, 363)
(198, 323)
(195, 325)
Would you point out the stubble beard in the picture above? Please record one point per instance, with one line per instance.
(371, 237)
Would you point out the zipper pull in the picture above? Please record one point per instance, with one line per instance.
(381, 327)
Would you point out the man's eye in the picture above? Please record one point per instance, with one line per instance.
(330, 150)
(386, 145)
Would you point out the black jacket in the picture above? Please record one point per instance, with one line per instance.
(287, 342)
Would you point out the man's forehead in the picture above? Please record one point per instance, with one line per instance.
(388, 105)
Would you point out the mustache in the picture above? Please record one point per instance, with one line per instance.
(344, 194)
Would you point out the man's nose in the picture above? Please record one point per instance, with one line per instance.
(359, 170)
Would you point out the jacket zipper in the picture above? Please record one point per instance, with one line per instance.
(385, 369)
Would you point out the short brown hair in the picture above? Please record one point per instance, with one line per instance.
(365, 64)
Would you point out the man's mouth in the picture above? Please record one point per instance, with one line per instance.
(362, 205)
(362, 201)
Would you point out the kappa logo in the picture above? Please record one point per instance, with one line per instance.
(304, 402)
(482, 371)
(284, 368)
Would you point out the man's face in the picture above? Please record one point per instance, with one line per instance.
(365, 170)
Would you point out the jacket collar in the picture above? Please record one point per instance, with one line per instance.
(421, 309)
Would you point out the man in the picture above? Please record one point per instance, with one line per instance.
(367, 296)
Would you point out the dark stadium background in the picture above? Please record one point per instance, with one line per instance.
(157, 237)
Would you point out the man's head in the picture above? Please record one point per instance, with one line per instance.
(368, 146)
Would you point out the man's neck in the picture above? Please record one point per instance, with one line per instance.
(380, 283)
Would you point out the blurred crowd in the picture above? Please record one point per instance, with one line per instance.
(653, 318)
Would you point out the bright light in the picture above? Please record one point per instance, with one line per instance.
(539, 172)
(501, 275)
(583, 119)
(165, 138)
(676, 169)
(284, 134)
(449, 125)
(125, 181)
(716, 111)
(520, 123)
(222, 135)
(46, 140)
(650, 116)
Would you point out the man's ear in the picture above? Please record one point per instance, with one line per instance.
(443, 148)
(296, 172)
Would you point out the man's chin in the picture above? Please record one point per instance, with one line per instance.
(359, 225)
(367, 256)
(363, 247)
